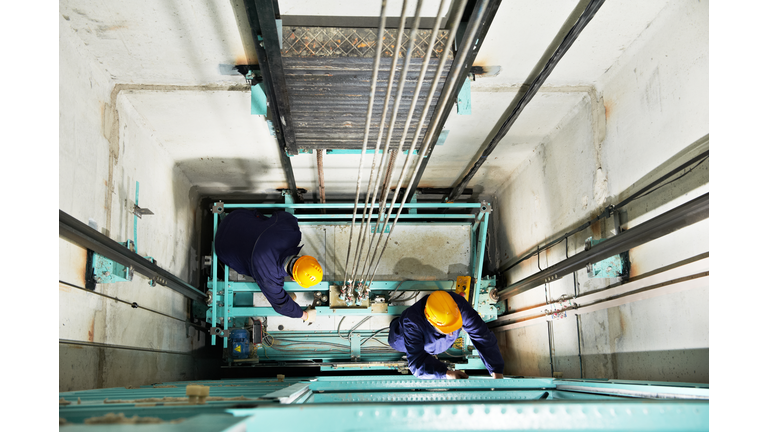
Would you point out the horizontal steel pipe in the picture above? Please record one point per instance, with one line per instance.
(79, 233)
(682, 216)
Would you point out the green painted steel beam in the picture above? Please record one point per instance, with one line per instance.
(402, 216)
(625, 415)
(352, 205)
(241, 312)
(215, 267)
(431, 396)
(452, 223)
(325, 286)
(347, 384)
(254, 287)
(355, 151)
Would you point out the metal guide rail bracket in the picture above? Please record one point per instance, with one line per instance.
(79, 233)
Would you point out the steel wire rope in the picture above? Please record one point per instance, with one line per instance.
(369, 115)
(408, 118)
(451, 81)
(364, 232)
(390, 130)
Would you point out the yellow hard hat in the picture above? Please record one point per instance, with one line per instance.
(307, 271)
(443, 312)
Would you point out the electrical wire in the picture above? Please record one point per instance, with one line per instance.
(407, 298)
(397, 288)
(374, 334)
(349, 335)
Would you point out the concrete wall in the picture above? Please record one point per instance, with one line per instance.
(100, 160)
(653, 108)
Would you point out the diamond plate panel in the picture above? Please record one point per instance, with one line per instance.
(355, 42)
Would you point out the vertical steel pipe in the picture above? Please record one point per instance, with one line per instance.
(215, 282)
(481, 247)
(225, 310)
(321, 175)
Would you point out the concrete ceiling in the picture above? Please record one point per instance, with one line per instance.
(173, 58)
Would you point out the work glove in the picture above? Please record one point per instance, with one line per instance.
(456, 374)
(311, 315)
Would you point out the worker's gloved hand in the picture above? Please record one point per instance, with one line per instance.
(309, 316)
(455, 374)
(497, 375)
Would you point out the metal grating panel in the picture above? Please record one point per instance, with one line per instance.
(328, 77)
(329, 100)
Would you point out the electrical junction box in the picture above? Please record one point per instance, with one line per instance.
(462, 286)
(240, 341)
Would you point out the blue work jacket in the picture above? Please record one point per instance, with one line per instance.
(412, 334)
(257, 246)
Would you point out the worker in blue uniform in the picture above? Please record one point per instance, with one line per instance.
(267, 249)
(432, 325)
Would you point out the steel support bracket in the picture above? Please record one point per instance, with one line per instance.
(138, 211)
(218, 207)
(485, 304)
(611, 267)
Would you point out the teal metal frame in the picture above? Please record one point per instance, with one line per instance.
(396, 403)
(367, 349)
